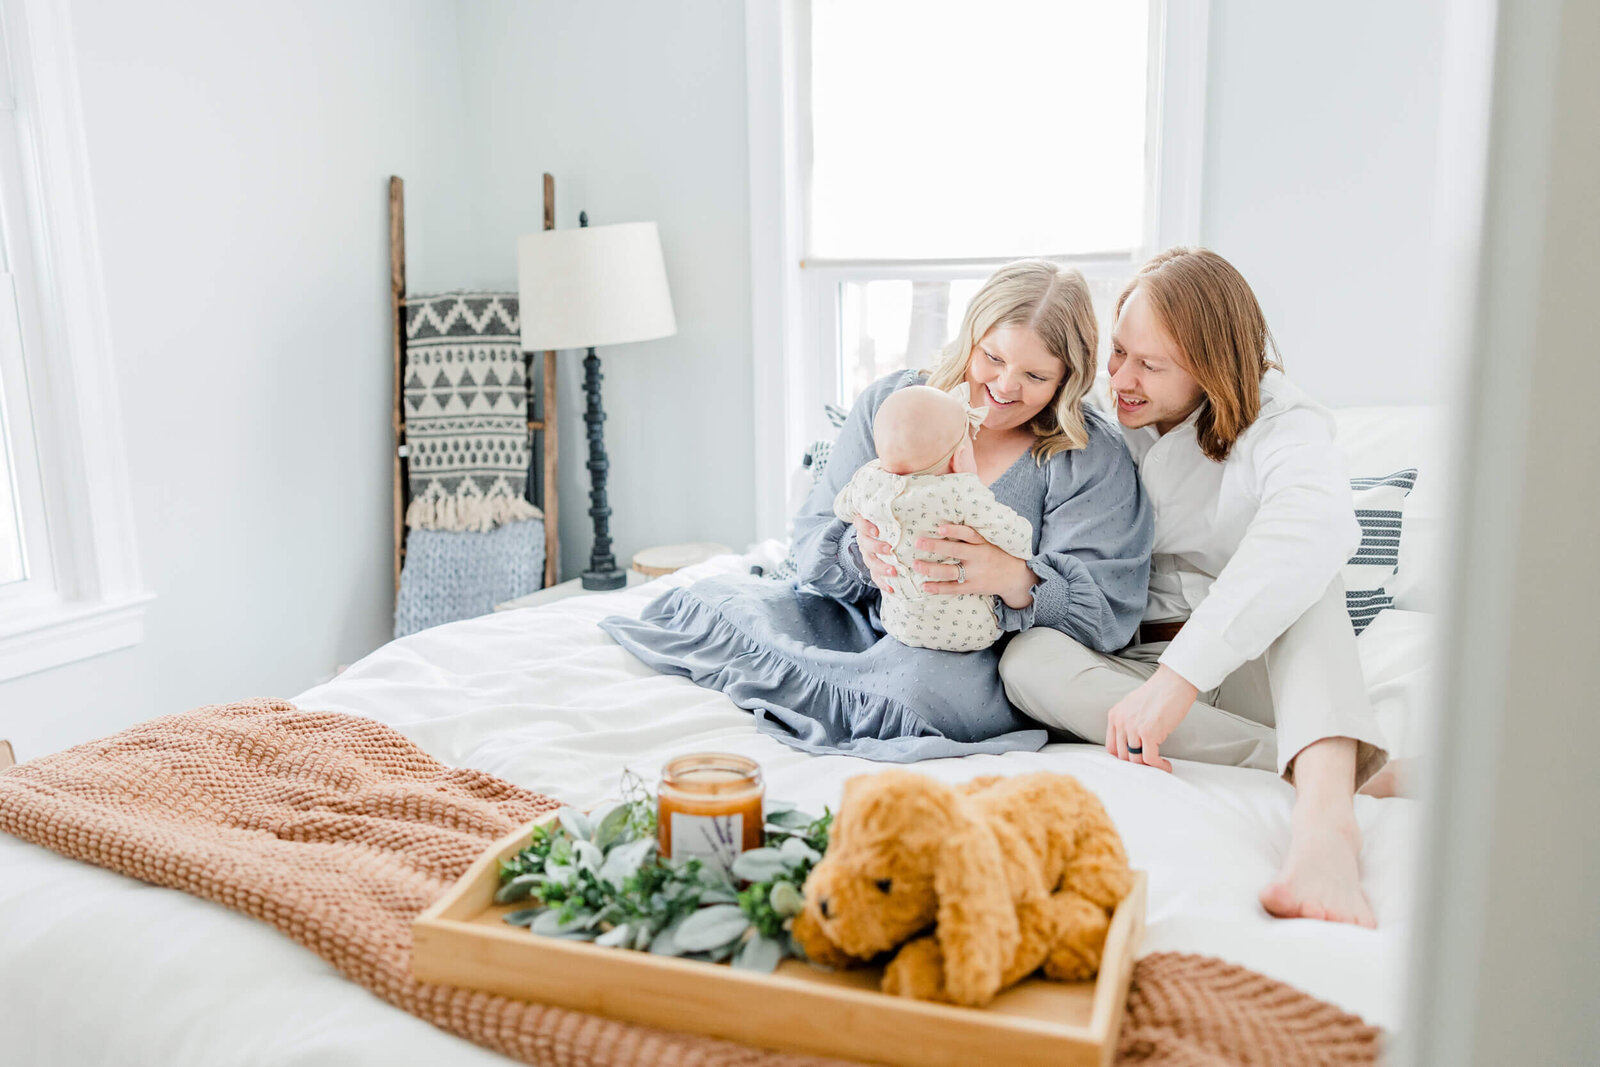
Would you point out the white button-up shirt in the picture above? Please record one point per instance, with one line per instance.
(1245, 546)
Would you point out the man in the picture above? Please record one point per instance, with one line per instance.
(1246, 655)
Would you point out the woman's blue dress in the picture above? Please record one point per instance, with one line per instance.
(811, 658)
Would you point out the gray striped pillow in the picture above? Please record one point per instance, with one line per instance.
(815, 462)
(1380, 506)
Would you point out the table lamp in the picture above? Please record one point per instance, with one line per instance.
(584, 288)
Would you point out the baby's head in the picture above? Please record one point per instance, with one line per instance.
(920, 430)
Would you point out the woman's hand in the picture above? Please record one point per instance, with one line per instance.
(1146, 717)
(871, 550)
(989, 570)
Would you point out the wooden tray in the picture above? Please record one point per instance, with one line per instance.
(462, 941)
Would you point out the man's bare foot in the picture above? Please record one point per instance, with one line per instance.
(1394, 780)
(1321, 879)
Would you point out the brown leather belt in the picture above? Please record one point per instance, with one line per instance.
(1151, 632)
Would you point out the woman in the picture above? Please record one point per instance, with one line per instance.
(811, 659)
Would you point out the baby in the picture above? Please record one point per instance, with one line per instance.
(925, 477)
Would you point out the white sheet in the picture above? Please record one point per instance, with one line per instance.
(96, 968)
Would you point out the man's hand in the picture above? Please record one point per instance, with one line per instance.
(1146, 717)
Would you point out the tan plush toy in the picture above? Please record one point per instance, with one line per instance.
(999, 877)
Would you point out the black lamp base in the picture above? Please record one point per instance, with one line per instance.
(602, 580)
(603, 572)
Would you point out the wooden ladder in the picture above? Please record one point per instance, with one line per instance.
(544, 424)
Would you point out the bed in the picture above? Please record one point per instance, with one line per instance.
(97, 968)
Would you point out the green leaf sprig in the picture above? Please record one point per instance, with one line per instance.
(599, 878)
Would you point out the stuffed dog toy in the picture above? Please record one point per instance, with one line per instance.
(1011, 874)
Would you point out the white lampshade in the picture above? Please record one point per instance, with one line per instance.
(593, 286)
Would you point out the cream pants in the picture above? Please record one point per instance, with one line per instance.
(1306, 686)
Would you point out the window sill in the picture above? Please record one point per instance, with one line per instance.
(66, 633)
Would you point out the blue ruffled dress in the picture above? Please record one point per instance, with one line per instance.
(811, 659)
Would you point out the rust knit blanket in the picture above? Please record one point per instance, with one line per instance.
(338, 831)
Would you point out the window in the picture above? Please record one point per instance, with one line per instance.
(948, 138)
(26, 575)
(961, 131)
(21, 499)
(902, 150)
(69, 581)
(12, 564)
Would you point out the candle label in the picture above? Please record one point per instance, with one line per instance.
(716, 840)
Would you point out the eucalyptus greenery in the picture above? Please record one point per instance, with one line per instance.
(598, 878)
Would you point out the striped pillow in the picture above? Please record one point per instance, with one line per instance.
(1380, 503)
(814, 461)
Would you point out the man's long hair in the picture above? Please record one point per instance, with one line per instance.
(1209, 310)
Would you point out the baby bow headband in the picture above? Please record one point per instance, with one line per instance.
(975, 415)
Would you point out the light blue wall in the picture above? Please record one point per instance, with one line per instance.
(638, 110)
(239, 156)
(1322, 135)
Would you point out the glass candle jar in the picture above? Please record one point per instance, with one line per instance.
(709, 806)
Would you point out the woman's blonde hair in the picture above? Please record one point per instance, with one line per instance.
(1054, 303)
(1209, 310)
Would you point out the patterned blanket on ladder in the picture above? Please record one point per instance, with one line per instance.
(472, 537)
(466, 405)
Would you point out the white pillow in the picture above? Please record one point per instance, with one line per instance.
(1398, 658)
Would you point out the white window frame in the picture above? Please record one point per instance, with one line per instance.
(85, 595)
(794, 305)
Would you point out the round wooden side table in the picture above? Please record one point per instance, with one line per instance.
(664, 559)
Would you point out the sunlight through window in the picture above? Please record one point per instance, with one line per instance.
(951, 130)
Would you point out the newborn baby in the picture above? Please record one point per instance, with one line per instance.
(925, 477)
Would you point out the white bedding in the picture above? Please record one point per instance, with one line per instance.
(96, 968)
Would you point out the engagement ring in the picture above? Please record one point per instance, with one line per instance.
(961, 573)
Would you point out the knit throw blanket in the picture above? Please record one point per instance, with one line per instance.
(338, 831)
(452, 575)
(466, 412)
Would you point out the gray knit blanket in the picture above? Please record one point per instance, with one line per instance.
(451, 574)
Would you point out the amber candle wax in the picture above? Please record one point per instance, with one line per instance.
(710, 806)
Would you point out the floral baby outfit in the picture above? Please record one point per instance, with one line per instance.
(905, 507)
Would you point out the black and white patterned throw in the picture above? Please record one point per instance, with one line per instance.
(466, 412)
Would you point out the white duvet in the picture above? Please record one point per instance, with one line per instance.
(96, 968)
